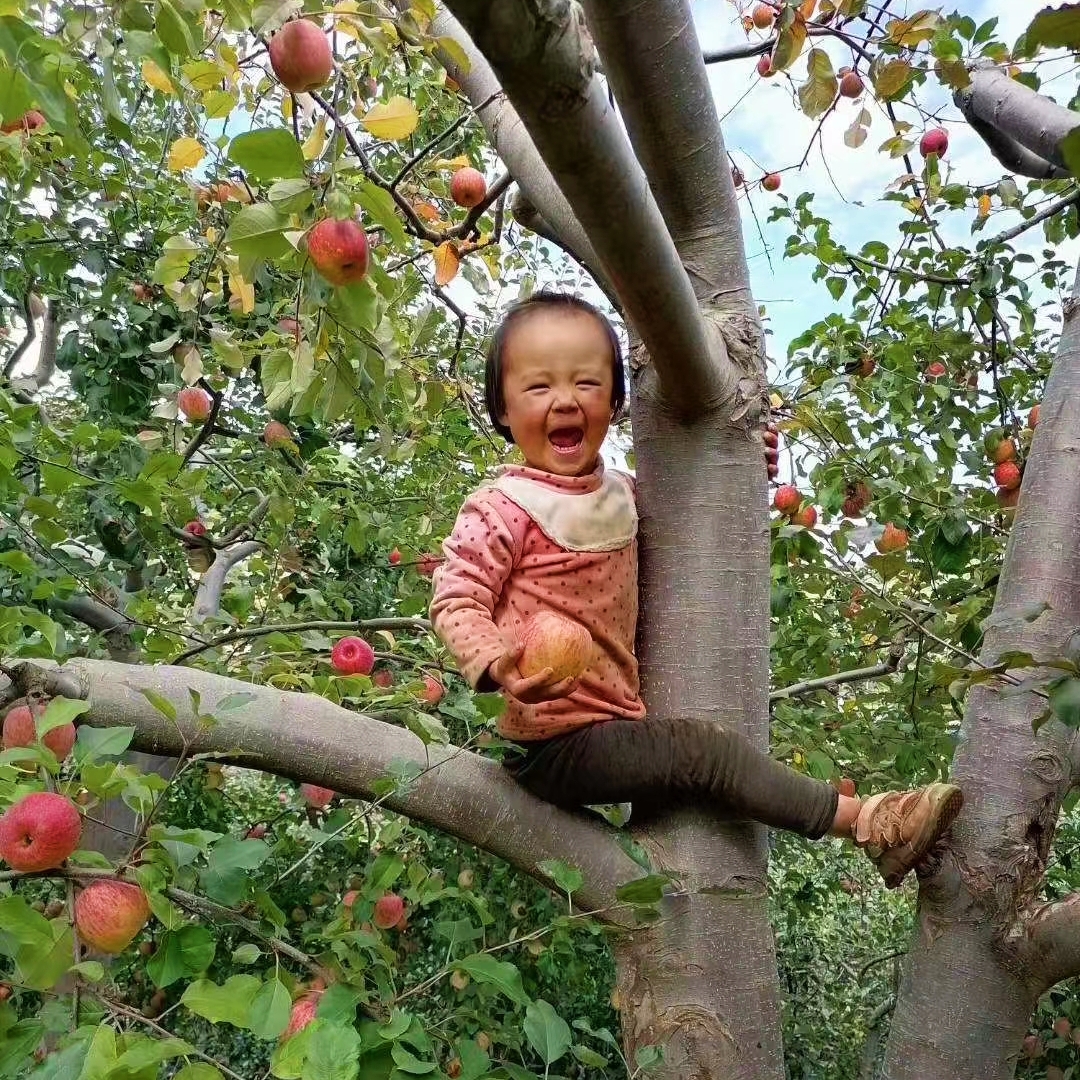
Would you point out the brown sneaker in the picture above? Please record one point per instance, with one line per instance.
(898, 828)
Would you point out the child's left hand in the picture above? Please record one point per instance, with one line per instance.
(771, 439)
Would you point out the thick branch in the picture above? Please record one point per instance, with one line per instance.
(208, 598)
(307, 738)
(653, 61)
(542, 56)
(512, 142)
(1027, 120)
(1052, 940)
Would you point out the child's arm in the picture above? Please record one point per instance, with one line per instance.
(480, 555)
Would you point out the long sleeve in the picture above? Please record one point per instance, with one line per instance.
(480, 555)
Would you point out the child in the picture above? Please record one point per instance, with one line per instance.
(559, 534)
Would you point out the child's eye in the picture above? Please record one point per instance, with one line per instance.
(537, 386)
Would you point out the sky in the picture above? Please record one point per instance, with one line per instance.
(766, 131)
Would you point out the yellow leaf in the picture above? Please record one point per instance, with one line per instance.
(789, 43)
(446, 263)
(907, 33)
(984, 205)
(395, 119)
(316, 141)
(426, 210)
(892, 78)
(451, 164)
(185, 153)
(245, 290)
(155, 78)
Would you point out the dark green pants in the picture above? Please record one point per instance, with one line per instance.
(654, 763)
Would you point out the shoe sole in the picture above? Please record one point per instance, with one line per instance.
(947, 801)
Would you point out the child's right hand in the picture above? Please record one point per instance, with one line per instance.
(533, 689)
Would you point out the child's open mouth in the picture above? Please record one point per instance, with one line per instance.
(566, 440)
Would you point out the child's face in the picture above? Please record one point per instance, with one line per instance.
(557, 384)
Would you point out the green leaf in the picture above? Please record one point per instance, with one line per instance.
(247, 953)
(198, 1070)
(91, 744)
(381, 208)
(1055, 29)
(409, 1063)
(229, 1003)
(1070, 150)
(270, 1009)
(501, 974)
(180, 954)
(568, 878)
(268, 153)
(1065, 700)
(42, 967)
(174, 31)
(334, 1054)
(643, 890)
(257, 233)
(227, 876)
(548, 1033)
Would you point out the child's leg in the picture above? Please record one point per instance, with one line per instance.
(679, 760)
(690, 760)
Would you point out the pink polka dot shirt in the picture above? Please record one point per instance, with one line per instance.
(534, 541)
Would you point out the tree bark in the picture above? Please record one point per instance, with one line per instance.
(973, 974)
(1028, 121)
(542, 56)
(513, 144)
(306, 738)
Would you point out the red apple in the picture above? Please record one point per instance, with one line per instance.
(433, 689)
(934, 141)
(277, 436)
(29, 121)
(763, 16)
(300, 56)
(851, 84)
(289, 327)
(39, 832)
(468, 187)
(383, 679)
(892, 539)
(317, 797)
(389, 911)
(1033, 418)
(353, 656)
(787, 499)
(764, 66)
(195, 403)
(256, 832)
(553, 641)
(935, 370)
(195, 528)
(771, 182)
(350, 898)
(806, 517)
(110, 914)
(395, 557)
(303, 1012)
(20, 730)
(339, 250)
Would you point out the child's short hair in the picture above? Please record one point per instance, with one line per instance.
(552, 299)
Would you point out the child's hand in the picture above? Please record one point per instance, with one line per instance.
(772, 450)
(532, 690)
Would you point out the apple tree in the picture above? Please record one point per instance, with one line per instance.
(250, 256)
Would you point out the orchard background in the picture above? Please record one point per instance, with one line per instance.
(216, 462)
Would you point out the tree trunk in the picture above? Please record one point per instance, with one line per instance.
(972, 977)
